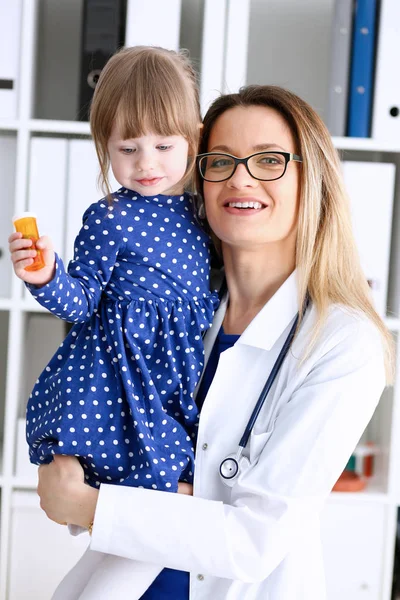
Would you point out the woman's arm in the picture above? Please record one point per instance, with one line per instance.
(66, 498)
(272, 503)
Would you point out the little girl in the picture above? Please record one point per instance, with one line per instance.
(118, 393)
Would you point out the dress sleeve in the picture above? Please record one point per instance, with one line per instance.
(74, 295)
(272, 503)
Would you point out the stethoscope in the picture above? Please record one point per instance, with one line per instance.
(230, 467)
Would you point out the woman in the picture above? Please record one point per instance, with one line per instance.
(280, 218)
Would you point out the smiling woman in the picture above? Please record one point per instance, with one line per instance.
(289, 257)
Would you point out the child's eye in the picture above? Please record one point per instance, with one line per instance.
(127, 150)
(164, 147)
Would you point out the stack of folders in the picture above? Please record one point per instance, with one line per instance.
(364, 87)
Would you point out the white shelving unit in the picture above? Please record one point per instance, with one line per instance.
(359, 529)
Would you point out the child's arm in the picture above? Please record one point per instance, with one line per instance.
(75, 295)
(22, 256)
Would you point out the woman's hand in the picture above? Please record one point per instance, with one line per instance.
(22, 256)
(64, 495)
(185, 488)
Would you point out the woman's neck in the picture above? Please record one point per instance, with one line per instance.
(252, 278)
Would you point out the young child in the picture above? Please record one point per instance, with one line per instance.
(118, 393)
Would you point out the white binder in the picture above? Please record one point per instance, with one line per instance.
(83, 171)
(236, 45)
(212, 52)
(10, 33)
(371, 189)
(8, 151)
(386, 108)
(46, 191)
(153, 23)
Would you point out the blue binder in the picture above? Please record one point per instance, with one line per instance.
(362, 69)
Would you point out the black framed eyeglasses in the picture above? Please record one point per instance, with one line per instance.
(264, 166)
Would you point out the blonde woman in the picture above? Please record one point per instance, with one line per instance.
(274, 200)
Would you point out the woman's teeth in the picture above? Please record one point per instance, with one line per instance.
(245, 204)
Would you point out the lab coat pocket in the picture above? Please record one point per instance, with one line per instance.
(257, 443)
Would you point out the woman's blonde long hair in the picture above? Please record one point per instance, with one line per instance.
(327, 259)
(145, 89)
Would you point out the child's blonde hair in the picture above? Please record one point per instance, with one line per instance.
(145, 89)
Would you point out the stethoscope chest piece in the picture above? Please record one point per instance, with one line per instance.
(232, 466)
(229, 468)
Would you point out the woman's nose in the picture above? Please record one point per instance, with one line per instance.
(241, 178)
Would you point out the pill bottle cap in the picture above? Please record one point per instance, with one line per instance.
(24, 215)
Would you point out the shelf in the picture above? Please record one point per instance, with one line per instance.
(62, 127)
(83, 128)
(8, 125)
(32, 306)
(392, 323)
(24, 483)
(372, 493)
(367, 144)
(6, 304)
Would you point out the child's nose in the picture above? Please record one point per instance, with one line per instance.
(145, 161)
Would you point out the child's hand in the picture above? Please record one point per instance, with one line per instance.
(22, 256)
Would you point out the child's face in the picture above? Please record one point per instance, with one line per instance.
(151, 164)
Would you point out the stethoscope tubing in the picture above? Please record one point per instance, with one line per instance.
(268, 384)
(231, 464)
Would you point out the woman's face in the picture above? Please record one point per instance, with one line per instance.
(242, 131)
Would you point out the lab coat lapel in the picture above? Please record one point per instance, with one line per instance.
(268, 325)
(243, 369)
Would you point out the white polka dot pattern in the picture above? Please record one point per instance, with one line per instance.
(118, 393)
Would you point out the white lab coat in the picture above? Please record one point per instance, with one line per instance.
(258, 540)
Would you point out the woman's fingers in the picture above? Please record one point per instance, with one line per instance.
(64, 496)
(185, 488)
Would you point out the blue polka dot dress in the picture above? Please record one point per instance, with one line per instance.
(118, 393)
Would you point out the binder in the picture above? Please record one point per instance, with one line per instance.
(212, 53)
(362, 69)
(342, 28)
(236, 45)
(8, 153)
(46, 188)
(386, 111)
(10, 34)
(153, 23)
(103, 32)
(83, 171)
(370, 187)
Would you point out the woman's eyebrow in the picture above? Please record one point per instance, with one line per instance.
(257, 148)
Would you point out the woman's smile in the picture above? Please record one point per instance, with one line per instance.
(244, 206)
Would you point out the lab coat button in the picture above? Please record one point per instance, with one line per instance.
(200, 577)
(205, 446)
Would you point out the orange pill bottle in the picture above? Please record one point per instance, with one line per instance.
(27, 225)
